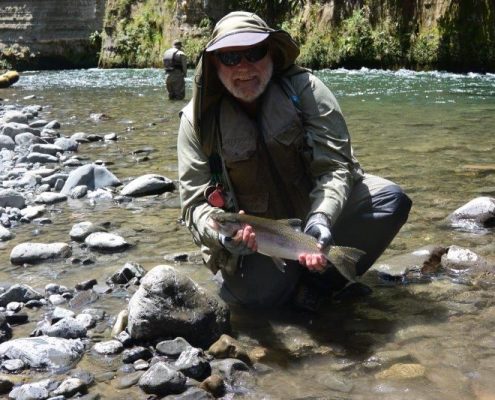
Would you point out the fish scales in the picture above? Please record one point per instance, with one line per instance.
(278, 239)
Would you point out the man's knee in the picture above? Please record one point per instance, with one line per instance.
(392, 200)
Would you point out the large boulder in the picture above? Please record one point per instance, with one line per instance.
(169, 304)
(91, 175)
(44, 351)
(477, 214)
(148, 184)
(38, 252)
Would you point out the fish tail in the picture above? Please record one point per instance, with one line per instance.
(344, 259)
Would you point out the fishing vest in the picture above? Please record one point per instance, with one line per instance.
(169, 61)
(266, 159)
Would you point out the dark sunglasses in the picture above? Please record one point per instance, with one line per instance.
(253, 54)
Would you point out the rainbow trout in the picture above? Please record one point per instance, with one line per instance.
(280, 239)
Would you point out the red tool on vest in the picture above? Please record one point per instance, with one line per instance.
(215, 195)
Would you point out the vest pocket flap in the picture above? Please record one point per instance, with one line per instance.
(235, 152)
(289, 133)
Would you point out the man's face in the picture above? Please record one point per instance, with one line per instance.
(246, 80)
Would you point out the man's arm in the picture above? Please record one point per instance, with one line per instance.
(332, 165)
(194, 177)
(183, 60)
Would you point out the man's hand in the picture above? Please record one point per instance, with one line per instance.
(318, 226)
(242, 243)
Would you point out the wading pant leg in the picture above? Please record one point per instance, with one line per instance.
(259, 283)
(373, 215)
(176, 85)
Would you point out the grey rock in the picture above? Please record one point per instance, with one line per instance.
(5, 234)
(129, 271)
(192, 363)
(26, 139)
(192, 393)
(461, 259)
(78, 191)
(69, 387)
(477, 214)
(31, 212)
(53, 178)
(37, 252)
(6, 142)
(50, 198)
(91, 175)
(33, 391)
(228, 367)
(11, 198)
(43, 351)
(60, 313)
(67, 144)
(106, 241)
(161, 379)
(5, 329)
(39, 123)
(86, 320)
(14, 116)
(41, 158)
(148, 185)
(12, 129)
(53, 125)
(5, 385)
(82, 230)
(172, 348)
(136, 353)
(15, 365)
(20, 293)
(108, 347)
(170, 304)
(51, 149)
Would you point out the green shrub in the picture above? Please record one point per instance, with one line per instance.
(386, 44)
(356, 40)
(423, 52)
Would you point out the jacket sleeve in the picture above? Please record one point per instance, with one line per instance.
(194, 177)
(332, 164)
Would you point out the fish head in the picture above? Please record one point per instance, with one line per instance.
(225, 223)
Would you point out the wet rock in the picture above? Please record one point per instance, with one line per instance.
(57, 299)
(52, 179)
(459, 259)
(108, 347)
(5, 329)
(86, 285)
(21, 293)
(16, 318)
(192, 363)
(86, 320)
(83, 298)
(53, 125)
(173, 348)
(5, 385)
(82, 230)
(477, 214)
(78, 192)
(40, 123)
(386, 358)
(68, 328)
(69, 387)
(50, 198)
(44, 351)
(106, 241)
(228, 368)
(124, 338)
(120, 322)
(60, 313)
(5, 234)
(136, 353)
(12, 129)
(214, 384)
(398, 267)
(169, 303)
(161, 379)
(228, 347)
(192, 393)
(148, 184)
(41, 158)
(13, 365)
(31, 212)
(402, 371)
(33, 391)
(128, 380)
(66, 144)
(51, 149)
(6, 142)
(91, 175)
(129, 271)
(11, 198)
(38, 252)
(26, 139)
(14, 116)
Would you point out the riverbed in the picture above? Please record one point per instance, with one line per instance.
(431, 132)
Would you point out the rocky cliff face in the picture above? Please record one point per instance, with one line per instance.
(50, 33)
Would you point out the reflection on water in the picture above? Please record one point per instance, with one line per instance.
(422, 130)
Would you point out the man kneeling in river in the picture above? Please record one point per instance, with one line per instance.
(266, 136)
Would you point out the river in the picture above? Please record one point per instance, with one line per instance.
(431, 132)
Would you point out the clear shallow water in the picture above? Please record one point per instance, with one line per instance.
(422, 130)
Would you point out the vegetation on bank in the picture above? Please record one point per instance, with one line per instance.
(371, 33)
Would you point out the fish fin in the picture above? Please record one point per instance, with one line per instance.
(279, 263)
(294, 223)
(344, 259)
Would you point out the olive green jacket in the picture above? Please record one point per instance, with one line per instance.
(333, 166)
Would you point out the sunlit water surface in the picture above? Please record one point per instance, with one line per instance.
(425, 131)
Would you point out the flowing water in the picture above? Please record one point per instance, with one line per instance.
(433, 133)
